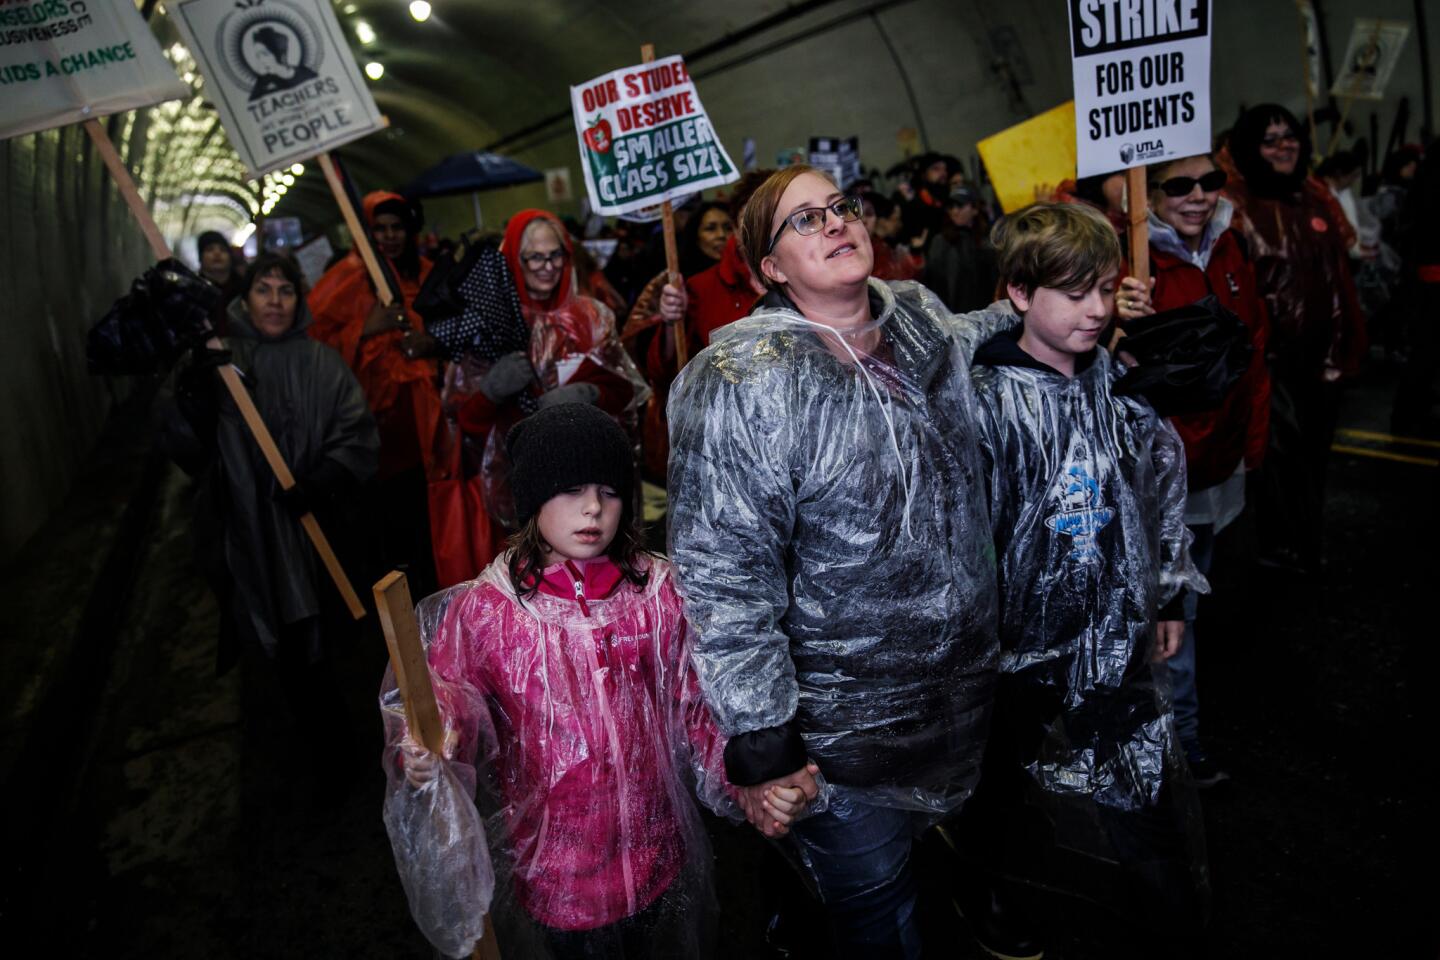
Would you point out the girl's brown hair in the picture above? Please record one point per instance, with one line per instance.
(759, 212)
(528, 550)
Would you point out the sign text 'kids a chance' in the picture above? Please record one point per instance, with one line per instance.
(644, 137)
(1142, 81)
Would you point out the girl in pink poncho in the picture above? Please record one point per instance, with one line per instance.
(564, 670)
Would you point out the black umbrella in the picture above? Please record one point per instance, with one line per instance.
(470, 172)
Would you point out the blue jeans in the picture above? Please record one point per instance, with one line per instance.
(859, 856)
(1182, 665)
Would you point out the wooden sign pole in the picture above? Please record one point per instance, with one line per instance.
(228, 374)
(412, 676)
(1137, 191)
(672, 256)
(358, 234)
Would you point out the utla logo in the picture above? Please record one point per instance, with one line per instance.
(598, 135)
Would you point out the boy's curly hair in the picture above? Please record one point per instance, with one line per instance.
(1065, 246)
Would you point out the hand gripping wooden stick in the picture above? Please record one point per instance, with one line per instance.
(412, 676)
(672, 255)
(228, 374)
(358, 235)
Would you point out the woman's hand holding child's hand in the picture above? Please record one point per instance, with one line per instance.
(771, 807)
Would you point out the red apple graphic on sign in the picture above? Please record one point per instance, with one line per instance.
(597, 136)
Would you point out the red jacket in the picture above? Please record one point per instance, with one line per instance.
(403, 394)
(1217, 440)
(719, 295)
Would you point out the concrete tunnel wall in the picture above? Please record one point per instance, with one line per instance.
(69, 246)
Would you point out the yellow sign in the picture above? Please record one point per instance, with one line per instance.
(1037, 153)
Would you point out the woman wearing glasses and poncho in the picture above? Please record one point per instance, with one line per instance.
(829, 529)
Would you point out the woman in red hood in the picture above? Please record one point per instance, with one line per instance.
(574, 353)
(393, 359)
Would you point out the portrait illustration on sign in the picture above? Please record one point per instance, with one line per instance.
(269, 47)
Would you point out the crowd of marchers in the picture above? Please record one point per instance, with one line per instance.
(857, 528)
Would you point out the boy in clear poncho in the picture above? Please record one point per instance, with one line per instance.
(829, 529)
(1087, 499)
(564, 681)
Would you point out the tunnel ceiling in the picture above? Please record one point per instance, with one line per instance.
(478, 71)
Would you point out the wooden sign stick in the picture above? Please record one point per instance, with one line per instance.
(412, 676)
(228, 374)
(1136, 189)
(672, 256)
(358, 234)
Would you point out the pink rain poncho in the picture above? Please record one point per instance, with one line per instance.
(583, 725)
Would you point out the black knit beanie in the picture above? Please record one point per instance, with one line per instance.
(567, 445)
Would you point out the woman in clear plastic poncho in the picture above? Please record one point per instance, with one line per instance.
(830, 534)
(574, 353)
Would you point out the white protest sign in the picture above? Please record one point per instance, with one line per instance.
(1370, 58)
(281, 75)
(1142, 81)
(644, 137)
(64, 61)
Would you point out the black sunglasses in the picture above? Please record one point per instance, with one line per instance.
(1181, 186)
(811, 220)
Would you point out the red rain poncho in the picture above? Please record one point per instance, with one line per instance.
(585, 728)
(403, 394)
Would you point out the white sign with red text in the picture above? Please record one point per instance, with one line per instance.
(644, 138)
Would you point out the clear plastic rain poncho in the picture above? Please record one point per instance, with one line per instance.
(586, 735)
(1087, 499)
(829, 527)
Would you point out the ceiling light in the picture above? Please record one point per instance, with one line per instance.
(350, 8)
(374, 70)
(240, 236)
(298, 169)
(364, 32)
(420, 10)
(288, 180)
(280, 189)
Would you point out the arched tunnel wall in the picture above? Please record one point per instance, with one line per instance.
(67, 250)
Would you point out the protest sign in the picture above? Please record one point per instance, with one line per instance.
(66, 61)
(1037, 153)
(837, 157)
(1142, 81)
(557, 185)
(1370, 58)
(644, 137)
(281, 75)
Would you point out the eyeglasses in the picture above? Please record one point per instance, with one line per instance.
(809, 221)
(1182, 186)
(1275, 139)
(537, 260)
